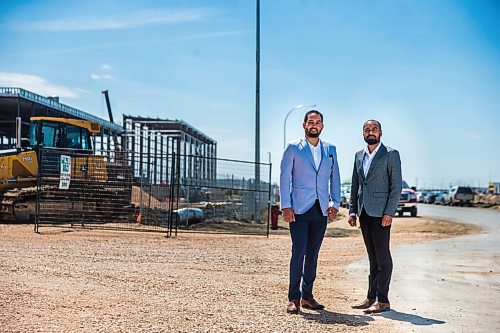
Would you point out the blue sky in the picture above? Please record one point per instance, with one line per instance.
(429, 71)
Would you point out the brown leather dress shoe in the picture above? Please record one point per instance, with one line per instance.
(293, 307)
(312, 304)
(364, 305)
(378, 307)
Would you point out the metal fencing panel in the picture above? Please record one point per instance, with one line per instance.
(230, 199)
(162, 192)
(88, 190)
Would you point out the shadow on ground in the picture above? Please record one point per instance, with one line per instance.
(328, 317)
(410, 318)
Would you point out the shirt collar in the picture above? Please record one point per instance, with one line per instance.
(311, 146)
(374, 151)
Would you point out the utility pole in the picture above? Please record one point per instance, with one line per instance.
(257, 118)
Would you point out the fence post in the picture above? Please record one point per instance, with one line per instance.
(178, 177)
(39, 155)
(269, 200)
(172, 198)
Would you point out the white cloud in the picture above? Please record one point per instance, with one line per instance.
(100, 77)
(473, 135)
(215, 34)
(83, 49)
(105, 67)
(36, 84)
(132, 20)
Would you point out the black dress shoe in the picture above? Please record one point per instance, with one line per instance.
(293, 307)
(312, 304)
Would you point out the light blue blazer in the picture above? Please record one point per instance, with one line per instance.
(301, 183)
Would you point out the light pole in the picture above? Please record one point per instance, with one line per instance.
(257, 114)
(286, 117)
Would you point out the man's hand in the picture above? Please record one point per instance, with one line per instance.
(352, 220)
(332, 213)
(386, 220)
(289, 215)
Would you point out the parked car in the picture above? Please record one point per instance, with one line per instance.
(345, 197)
(430, 197)
(440, 198)
(420, 196)
(459, 195)
(407, 202)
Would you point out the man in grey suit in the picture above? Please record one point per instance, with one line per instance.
(309, 192)
(375, 191)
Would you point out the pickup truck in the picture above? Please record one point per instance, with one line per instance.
(459, 195)
(407, 202)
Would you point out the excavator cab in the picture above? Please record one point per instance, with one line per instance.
(62, 133)
(19, 168)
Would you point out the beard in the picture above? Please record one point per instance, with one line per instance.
(313, 134)
(371, 140)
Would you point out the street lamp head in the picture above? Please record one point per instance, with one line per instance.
(299, 106)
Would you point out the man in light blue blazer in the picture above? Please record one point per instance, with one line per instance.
(309, 193)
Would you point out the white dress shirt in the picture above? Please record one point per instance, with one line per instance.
(368, 158)
(316, 152)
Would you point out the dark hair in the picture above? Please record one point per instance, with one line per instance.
(376, 121)
(311, 112)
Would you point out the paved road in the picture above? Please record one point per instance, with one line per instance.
(448, 285)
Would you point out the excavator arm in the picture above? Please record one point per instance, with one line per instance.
(110, 113)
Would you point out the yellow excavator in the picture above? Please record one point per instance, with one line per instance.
(19, 167)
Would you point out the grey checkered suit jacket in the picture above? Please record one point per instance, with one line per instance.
(379, 192)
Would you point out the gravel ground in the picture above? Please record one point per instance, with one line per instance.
(71, 280)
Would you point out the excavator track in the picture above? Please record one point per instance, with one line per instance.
(103, 204)
(18, 205)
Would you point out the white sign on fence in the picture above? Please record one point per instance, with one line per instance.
(65, 174)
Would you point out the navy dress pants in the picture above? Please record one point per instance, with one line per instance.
(307, 232)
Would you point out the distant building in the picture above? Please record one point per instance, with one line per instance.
(152, 142)
(494, 188)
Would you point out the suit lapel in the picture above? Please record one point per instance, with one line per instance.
(360, 158)
(323, 154)
(381, 151)
(308, 152)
